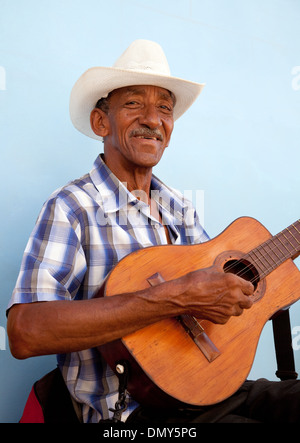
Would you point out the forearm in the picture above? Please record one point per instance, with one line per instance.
(58, 327)
(67, 326)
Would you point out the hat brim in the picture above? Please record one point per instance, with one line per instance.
(98, 82)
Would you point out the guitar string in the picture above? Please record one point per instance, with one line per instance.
(197, 325)
(264, 255)
(271, 240)
(260, 275)
(254, 262)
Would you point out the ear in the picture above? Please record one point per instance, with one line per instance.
(99, 122)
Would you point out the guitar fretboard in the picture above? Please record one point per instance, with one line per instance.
(275, 251)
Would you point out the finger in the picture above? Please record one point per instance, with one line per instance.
(246, 303)
(234, 280)
(247, 287)
(237, 310)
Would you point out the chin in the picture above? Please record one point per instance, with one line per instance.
(148, 161)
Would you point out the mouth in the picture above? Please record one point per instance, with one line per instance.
(147, 134)
(147, 138)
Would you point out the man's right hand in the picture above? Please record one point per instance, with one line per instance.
(214, 295)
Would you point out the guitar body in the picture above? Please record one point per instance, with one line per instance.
(166, 367)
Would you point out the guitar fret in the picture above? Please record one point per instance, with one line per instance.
(252, 258)
(275, 257)
(272, 250)
(293, 235)
(260, 258)
(290, 243)
(267, 255)
(278, 246)
(276, 250)
(270, 266)
(283, 244)
(282, 255)
(289, 239)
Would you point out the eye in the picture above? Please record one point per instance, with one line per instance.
(167, 108)
(132, 103)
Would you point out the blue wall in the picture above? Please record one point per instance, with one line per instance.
(239, 143)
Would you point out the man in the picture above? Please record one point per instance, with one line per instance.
(86, 227)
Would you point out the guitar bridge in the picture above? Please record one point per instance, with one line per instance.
(201, 339)
(192, 327)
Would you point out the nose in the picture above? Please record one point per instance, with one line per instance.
(150, 117)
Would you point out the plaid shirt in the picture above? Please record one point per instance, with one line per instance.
(83, 230)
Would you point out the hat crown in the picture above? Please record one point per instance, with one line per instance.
(144, 56)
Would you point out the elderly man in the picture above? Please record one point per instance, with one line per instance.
(89, 225)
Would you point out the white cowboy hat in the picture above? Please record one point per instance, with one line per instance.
(143, 63)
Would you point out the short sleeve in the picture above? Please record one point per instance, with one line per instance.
(53, 264)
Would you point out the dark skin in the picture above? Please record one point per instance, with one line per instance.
(136, 131)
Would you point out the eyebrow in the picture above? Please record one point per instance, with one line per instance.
(163, 95)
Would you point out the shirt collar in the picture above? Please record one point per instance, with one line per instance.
(114, 194)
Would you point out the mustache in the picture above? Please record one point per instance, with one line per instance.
(146, 132)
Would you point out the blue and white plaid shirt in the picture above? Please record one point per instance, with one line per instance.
(83, 230)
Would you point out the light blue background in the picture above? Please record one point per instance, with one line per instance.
(239, 143)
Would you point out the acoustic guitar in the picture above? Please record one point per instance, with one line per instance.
(189, 361)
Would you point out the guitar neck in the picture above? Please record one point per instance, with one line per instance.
(275, 251)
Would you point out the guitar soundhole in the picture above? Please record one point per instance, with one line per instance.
(236, 263)
(243, 269)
